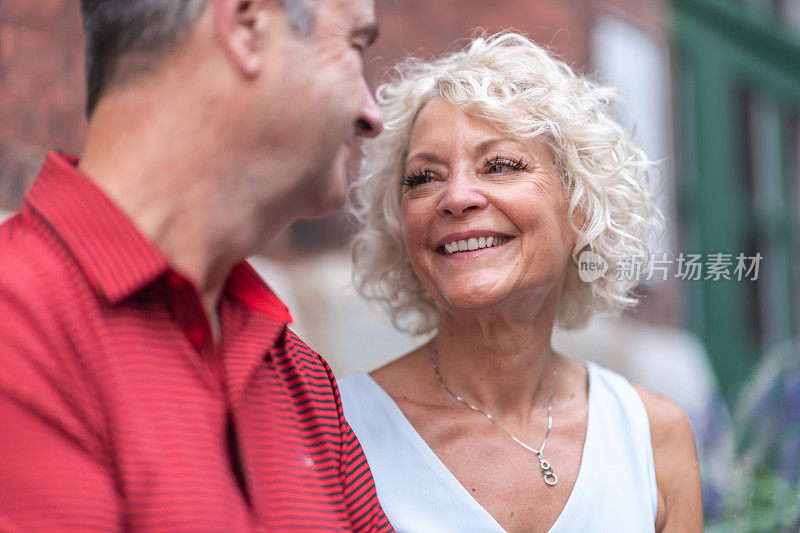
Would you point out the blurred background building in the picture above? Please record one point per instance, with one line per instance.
(711, 88)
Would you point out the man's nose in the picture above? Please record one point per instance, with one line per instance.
(370, 117)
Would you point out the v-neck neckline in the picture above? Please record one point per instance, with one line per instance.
(450, 480)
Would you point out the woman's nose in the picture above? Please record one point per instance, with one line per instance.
(461, 194)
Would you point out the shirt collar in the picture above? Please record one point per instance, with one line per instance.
(115, 257)
(247, 287)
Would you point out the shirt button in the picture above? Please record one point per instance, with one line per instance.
(195, 335)
(175, 282)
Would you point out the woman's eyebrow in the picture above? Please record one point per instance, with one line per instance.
(425, 156)
(482, 147)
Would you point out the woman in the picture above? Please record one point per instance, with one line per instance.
(497, 169)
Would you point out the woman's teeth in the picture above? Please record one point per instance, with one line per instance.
(474, 243)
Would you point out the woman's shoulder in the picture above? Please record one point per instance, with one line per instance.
(669, 426)
(665, 416)
(676, 465)
(670, 430)
(673, 457)
(667, 419)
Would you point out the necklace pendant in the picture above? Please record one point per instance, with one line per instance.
(550, 477)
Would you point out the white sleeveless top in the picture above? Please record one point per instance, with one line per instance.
(615, 489)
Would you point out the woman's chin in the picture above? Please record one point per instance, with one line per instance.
(497, 297)
(474, 300)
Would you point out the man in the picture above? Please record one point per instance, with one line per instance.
(149, 381)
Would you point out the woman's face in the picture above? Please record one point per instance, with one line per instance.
(484, 216)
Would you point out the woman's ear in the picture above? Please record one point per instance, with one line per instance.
(241, 26)
(578, 223)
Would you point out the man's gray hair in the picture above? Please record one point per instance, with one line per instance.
(127, 38)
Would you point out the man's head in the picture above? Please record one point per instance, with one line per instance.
(276, 86)
(126, 39)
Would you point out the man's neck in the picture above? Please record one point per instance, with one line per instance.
(162, 172)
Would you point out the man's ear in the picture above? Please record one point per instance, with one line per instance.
(241, 27)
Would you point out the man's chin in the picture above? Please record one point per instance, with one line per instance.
(327, 205)
(343, 171)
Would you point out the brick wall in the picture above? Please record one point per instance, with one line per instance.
(428, 28)
(41, 59)
(41, 88)
(41, 62)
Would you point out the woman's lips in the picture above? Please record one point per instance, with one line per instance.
(471, 244)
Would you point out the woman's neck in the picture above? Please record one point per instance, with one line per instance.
(499, 361)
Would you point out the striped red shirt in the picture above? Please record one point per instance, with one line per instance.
(117, 412)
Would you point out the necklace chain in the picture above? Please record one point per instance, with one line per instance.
(547, 470)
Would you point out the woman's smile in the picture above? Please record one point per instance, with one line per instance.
(460, 245)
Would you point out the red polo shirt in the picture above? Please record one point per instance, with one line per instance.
(116, 410)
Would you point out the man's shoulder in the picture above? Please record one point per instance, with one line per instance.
(300, 359)
(37, 279)
(304, 358)
(34, 261)
(37, 284)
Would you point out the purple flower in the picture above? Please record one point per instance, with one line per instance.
(713, 502)
(791, 393)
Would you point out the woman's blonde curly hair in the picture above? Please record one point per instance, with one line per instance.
(519, 88)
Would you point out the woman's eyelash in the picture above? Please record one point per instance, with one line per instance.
(513, 164)
(417, 177)
(420, 176)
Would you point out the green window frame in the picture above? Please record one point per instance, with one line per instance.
(730, 59)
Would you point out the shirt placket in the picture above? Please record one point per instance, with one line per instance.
(193, 323)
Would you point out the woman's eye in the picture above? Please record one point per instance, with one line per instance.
(417, 177)
(498, 165)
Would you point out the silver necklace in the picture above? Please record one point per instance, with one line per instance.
(549, 475)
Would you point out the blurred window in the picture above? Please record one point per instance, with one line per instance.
(785, 12)
(738, 108)
(769, 152)
(637, 64)
(794, 213)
